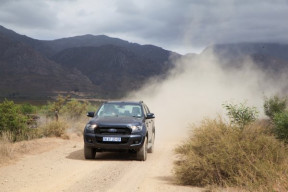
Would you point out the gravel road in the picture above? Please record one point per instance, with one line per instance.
(59, 165)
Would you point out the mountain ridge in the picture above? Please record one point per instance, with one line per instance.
(146, 61)
(105, 67)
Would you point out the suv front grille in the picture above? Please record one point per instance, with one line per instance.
(113, 130)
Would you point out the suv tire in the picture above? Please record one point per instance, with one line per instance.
(151, 149)
(89, 152)
(142, 153)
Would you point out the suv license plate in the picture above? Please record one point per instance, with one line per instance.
(112, 139)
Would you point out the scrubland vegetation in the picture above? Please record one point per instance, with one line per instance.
(20, 122)
(245, 153)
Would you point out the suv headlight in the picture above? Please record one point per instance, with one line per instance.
(136, 128)
(90, 128)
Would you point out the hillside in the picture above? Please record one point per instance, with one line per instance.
(270, 58)
(105, 67)
(265, 55)
(275, 50)
(114, 69)
(26, 73)
(99, 66)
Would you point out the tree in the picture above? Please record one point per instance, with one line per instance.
(57, 105)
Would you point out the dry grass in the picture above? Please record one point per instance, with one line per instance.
(76, 126)
(54, 129)
(6, 147)
(219, 155)
(64, 128)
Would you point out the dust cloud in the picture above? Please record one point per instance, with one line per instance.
(198, 87)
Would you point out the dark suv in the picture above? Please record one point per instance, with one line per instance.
(120, 126)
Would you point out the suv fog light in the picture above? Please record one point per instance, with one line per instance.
(89, 140)
(136, 141)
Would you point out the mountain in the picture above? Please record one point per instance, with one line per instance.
(115, 65)
(114, 69)
(105, 67)
(26, 73)
(271, 58)
(50, 48)
(261, 53)
(98, 66)
(275, 50)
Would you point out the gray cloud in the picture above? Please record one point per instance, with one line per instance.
(179, 25)
(27, 14)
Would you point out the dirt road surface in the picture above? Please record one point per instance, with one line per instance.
(59, 165)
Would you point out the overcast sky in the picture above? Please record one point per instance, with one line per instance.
(183, 26)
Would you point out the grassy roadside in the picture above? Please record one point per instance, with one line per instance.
(219, 155)
(49, 132)
(246, 156)
(23, 122)
(6, 149)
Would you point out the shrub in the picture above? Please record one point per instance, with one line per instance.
(93, 106)
(27, 109)
(280, 121)
(241, 115)
(12, 120)
(218, 154)
(276, 108)
(59, 103)
(75, 108)
(54, 128)
(54, 108)
(274, 105)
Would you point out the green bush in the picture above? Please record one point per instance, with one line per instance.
(12, 120)
(75, 108)
(241, 115)
(274, 105)
(63, 106)
(93, 106)
(218, 154)
(280, 121)
(276, 108)
(52, 109)
(27, 108)
(59, 103)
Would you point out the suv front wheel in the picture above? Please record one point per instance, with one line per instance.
(89, 152)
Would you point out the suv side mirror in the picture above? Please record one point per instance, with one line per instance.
(90, 114)
(150, 116)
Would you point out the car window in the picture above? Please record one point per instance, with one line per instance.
(120, 109)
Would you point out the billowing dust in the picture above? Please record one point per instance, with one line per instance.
(198, 87)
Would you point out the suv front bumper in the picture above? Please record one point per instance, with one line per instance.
(127, 142)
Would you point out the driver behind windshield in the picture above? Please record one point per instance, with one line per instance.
(109, 110)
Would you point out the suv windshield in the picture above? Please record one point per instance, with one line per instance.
(120, 109)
